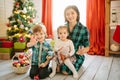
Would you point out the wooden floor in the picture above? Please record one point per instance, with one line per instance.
(94, 68)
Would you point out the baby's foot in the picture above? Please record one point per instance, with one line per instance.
(75, 75)
(52, 75)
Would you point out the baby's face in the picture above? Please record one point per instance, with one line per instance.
(63, 34)
(40, 36)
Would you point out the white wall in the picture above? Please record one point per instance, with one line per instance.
(5, 11)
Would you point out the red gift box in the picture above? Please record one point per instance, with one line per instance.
(7, 44)
(2, 39)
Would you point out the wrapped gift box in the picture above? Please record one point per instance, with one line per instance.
(2, 39)
(5, 56)
(0, 43)
(7, 44)
(5, 50)
(19, 45)
(5, 53)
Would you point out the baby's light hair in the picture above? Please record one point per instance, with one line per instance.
(62, 27)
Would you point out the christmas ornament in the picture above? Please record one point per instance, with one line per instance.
(15, 26)
(31, 20)
(17, 4)
(22, 26)
(24, 10)
(21, 39)
(26, 28)
(115, 47)
(8, 24)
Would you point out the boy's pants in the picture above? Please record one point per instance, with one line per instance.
(41, 72)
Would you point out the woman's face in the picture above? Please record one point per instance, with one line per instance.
(62, 33)
(40, 36)
(71, 15)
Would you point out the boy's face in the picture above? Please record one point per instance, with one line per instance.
(40, 36)
(63, 34)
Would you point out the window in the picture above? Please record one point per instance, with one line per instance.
(58, 11)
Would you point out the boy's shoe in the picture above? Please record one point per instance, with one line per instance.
(36, 77)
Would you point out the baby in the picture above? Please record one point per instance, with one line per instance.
(64, 49)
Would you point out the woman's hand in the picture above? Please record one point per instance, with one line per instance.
(82, 50)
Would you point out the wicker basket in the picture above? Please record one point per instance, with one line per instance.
(20, 69)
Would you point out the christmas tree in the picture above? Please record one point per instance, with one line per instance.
(21, 21)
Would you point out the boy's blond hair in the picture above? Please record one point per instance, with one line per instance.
(37, 28)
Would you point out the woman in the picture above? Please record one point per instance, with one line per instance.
(79, 34)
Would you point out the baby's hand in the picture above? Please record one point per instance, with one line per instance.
(60, 49)
(67, 56)
(49, 57)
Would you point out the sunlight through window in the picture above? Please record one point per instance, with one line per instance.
(58, 11)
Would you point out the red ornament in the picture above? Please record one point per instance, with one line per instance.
(17, 4)
(31, 20)
(21, 39)
(8, 24)
(21, 56)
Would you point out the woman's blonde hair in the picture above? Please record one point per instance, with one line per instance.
(75, 9)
